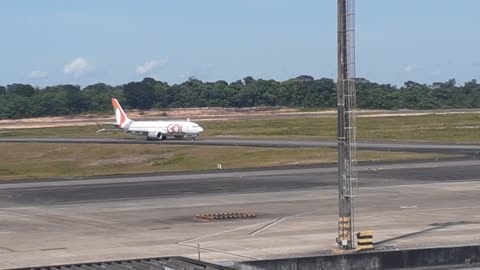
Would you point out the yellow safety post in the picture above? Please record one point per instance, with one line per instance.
(365, 240)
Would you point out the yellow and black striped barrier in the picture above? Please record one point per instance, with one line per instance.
(229, 215)
(365, 240)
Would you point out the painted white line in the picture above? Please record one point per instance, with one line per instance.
(268, 226)
(275, 222)
(222, 232)
(408, 206)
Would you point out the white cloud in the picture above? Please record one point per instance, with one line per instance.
(38, 74)
(77, 67)
(150, 65)
(409, 68)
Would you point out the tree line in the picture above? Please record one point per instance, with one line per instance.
(24, 100)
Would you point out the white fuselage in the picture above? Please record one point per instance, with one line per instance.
(159, 129)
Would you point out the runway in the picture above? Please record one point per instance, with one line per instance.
(65, 221)
(421, 147)
(39, 192)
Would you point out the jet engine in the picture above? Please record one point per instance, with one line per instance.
(155, 136)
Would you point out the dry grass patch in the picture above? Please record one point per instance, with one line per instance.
(21, 161)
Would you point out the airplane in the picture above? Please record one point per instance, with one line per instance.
(155, 130)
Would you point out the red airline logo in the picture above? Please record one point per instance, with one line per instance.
(175, 128)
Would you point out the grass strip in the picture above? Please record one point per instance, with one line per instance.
(32, 160)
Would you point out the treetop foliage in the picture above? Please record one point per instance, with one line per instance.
(23, 100)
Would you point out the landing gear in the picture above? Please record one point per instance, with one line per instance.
(193, 138)
(160, 137)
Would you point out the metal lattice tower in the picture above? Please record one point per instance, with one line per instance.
(346, 129)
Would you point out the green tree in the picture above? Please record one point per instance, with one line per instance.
(249, 80)
(22, 100)
(97, 97)
(24, 90)
(140, 95)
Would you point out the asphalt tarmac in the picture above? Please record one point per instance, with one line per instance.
(407, 205)
(420, 147)
(121, 188)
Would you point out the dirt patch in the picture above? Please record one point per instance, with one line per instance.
(171, 114)
(42, 122)
(416, 113)
(204, 114)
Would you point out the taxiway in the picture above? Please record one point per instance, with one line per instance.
(467, 149)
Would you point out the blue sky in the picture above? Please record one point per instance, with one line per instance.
(116, 41)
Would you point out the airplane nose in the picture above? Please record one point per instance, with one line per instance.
(200, 129)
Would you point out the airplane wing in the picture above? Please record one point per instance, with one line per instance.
(103, 129)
